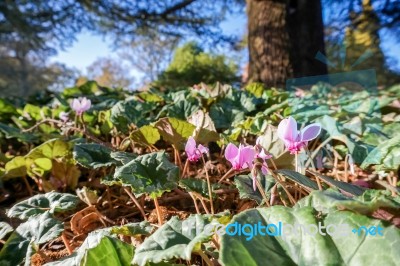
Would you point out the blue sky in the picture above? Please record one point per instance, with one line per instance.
(89, 47)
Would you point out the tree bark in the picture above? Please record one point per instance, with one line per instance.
(306, 31)
(284, 37)
(269, 43)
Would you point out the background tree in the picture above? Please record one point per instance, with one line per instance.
(109, 72)
(149, 55)
(360, 26)
(23, 71)
(191, 65)
(284, 37)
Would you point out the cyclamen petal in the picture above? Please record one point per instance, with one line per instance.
(202, 149)
(190, 146)
(231, 152)
(264, 170)
(246, 156)
(85, 104)
(263, 155)
(287, 129)
(75, 105)
(310, 132)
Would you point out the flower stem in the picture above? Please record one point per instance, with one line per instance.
(226, 175)
(185, 168)
(311, 160)
(258, 184)
(205, 258)
(28, 187)
(208, 185)
(315, 152)
(284, 188)
(195, 202)
(204, 205)
(136, 202)
(66, 243)
(159, 216)
(177, 157)
(273, 164)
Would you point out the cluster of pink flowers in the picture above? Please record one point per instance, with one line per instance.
(245, 157)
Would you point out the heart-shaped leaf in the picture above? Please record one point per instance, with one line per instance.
(205, 129)
(133, 229)
(270, 141)
(93, 155)
(326, 201)
(37, 230)
(5, 228)
(175, 239)
(386, 156)
(123, 157)
(15, 168)
(151, 173)
(51, 149)
(12, 132)
(146, 135)
(38, 204)
(126, 113)
(175, 131)
(99, 247)
(302, 247)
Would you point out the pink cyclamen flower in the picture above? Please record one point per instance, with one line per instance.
(300, 93)
(295, 140)
(240, 158)
(194, 152)
(81, 105)
(260, 151)
(64, 116)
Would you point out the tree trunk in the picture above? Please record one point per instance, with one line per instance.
(269, 44)
(284, 37)
(306, 31)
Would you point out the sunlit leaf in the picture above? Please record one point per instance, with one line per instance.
(50, 202)
(37, 230)
(175, 239)
(174, 131)
(5, 229)
(151, 173)
(385, 156)
(93, 155)
(99, 248)
(146, 135)
(302, 248)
